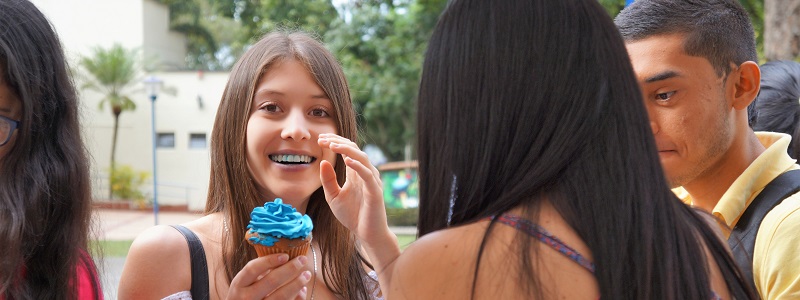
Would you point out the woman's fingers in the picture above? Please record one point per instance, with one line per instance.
(294, 289)
(271, 276)
(365, 173)
(328, 177)
(330, 137)
(352, 151)
(257, 267)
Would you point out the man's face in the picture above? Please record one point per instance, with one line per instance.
(690, 111)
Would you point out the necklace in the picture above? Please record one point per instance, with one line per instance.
(225, 224)
(314, 285)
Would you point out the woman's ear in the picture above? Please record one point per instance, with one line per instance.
(747, 84)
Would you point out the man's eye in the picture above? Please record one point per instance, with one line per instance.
(664, 96)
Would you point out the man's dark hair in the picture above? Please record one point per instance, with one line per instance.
(717, 30)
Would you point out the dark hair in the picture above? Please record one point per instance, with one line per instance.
(778, 102)
(717, 30)
(231, 187)
(45, 197)
(522, 101)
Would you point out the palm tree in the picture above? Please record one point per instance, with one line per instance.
(112, 72)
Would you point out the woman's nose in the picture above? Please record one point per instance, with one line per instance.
(295, 127)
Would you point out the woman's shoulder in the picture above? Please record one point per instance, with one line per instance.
(157, 265)
(441, 263)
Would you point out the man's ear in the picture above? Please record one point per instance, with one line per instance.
(747, 84)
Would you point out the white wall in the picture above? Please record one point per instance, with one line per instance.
(167, 47)
(142, 24)
(85, 24)
(182, 172)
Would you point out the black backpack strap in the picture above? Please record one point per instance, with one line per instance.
(743, 236)
(197, 255)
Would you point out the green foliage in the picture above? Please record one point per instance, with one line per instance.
(126, 183)
(402, 216)
(381, 46)
(111, 72)
(613, 7)
(103, 248)
(405, 240)
(260, 16)
(755, 8)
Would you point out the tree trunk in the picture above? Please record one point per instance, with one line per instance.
(781, 29)
(116, 111)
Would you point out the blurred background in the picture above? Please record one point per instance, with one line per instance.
(151, 73)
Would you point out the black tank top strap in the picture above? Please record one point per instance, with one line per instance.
(197, 255)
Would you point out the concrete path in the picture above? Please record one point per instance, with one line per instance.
(125, 225)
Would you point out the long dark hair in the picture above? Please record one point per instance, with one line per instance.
(232, 189)
(522, 101)
(45, 198)
(778, 102)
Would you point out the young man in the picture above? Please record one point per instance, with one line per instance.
(695, 61)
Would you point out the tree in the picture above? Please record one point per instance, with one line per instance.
(197, 19)
(781, 29)
(112, 72)
(260, 16)
(381, 46)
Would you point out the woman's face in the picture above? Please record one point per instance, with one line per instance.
(288, 113)
(10, 107)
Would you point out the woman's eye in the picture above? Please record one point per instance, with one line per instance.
(664, 96)
(271, 108)
(319, 112)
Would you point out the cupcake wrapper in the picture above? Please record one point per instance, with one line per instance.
(293, 247)
(293, 252)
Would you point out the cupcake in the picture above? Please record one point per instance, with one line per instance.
(279, 228)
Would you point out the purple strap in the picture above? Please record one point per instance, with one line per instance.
(545, 237)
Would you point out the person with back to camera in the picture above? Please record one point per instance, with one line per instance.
(695, 62)
(45, 196)
(778, 103)
(285, 113)
(538, 172)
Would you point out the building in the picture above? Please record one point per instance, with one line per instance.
(183, 119)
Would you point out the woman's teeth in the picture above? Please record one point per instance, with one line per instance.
(291, 159)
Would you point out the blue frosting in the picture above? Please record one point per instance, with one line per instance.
(276, 220)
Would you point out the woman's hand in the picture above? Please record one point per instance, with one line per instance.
(271, 277)
(358, 204)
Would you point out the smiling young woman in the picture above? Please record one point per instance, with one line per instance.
(285, 118)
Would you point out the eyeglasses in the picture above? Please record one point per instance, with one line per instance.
(7, 127)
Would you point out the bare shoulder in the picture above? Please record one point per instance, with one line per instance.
(157, 265)
(440, 265)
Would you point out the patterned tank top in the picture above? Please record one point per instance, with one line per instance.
(552, 241)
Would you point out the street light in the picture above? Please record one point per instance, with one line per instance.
(152, 84)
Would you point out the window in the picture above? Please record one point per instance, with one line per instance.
(165, 140)
(197, 141)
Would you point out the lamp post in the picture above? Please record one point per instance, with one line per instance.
(152, 84)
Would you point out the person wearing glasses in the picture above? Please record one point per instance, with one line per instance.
(45, 196)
